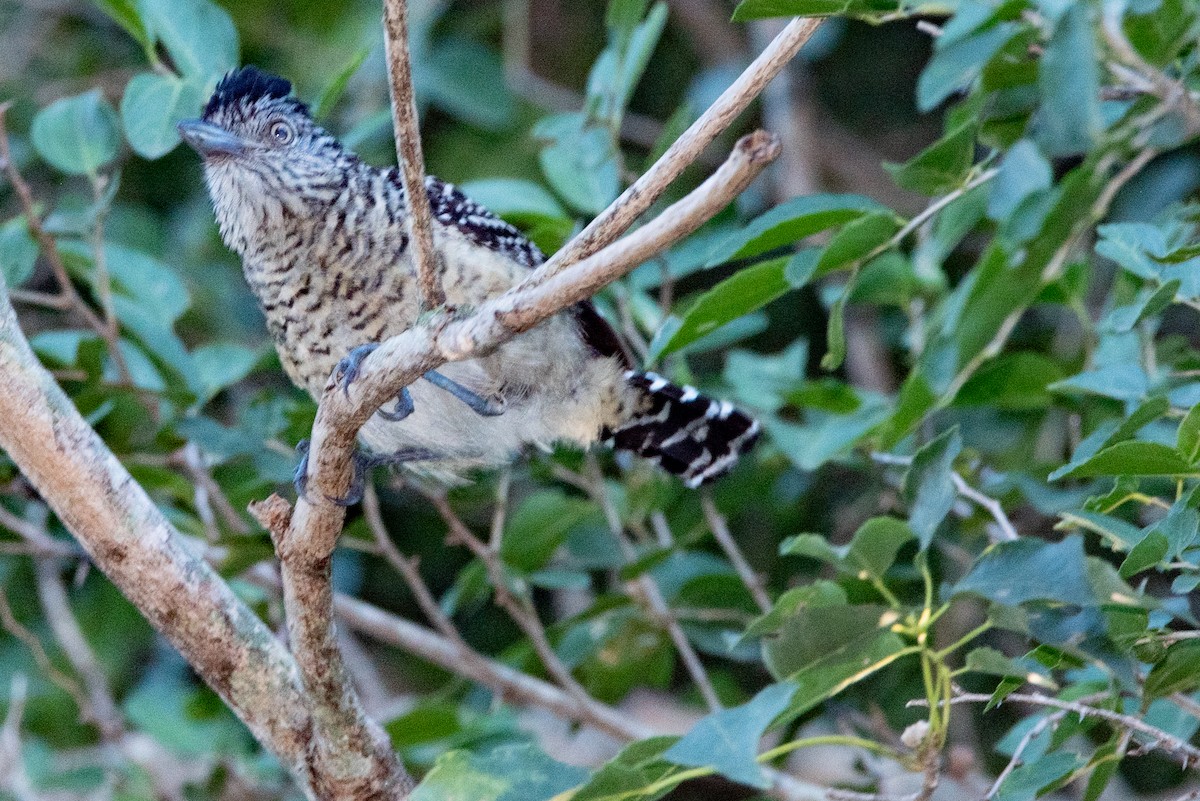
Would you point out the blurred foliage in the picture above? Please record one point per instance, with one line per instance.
(1005, 347)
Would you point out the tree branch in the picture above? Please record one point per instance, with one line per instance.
(359, 760)
(635, 200)
(146, 558)
(408, 152)
(506, 682)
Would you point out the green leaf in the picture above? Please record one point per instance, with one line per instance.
(1149, 303)
(143, 278)
(1133, 458)
(1069, 121)
(126, 14)
(425, 723)
(857, 240)
(151, 107)
(835, 333)
(580, 161)
(825, 649)
(639, 766)
(77, 135)
(1013, 573)
(1124, 382)
(960, 63)
(819, 593)
(514, 198)
(1023, 171)
(219, 366)
(727, 740)
(941, 167)
(18, 252)
(337, 84)
(824, 437)
(874, 546)
(761, 9)
(466, 80)
(507, 773)
(993, 662)
(1034, 778)
(1145, 555)
(1013, 381)
(790, 222)
(745, 291)
(1187, 441)
(538, 526)
(929, 484)
(198, 34)
(1178, 672)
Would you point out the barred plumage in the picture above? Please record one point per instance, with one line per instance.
(324, 248)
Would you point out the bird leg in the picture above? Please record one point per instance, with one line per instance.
(363, 463)
(347, 372)
(477, 403)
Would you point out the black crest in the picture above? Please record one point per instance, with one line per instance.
(247, 84)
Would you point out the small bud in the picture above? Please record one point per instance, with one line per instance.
(914, 735)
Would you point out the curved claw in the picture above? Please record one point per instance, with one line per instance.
(365, 462)
(482, 406)
(347, 369)
(300, 476)
(404, 407)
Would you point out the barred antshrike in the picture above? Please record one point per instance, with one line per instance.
(323, 242)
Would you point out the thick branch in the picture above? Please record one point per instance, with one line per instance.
(408, 152)
(507, 682)
(129, 539)
(357, 755)
(635, 200)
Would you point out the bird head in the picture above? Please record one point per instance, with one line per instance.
(262, 153)
(251, 117)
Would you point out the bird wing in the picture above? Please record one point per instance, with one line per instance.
(451, 207)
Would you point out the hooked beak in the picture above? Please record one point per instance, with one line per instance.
(210, 140)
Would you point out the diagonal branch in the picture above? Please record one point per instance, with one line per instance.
(635, 200)
(408, 152)
(129, 539)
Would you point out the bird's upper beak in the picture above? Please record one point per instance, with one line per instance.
(209, 139)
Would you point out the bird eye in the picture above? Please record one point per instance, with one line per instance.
(281, 132)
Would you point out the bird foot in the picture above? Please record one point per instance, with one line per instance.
(363, 463)
(348, 368)
(347, 371)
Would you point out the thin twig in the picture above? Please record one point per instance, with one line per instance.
(1188, 753)
(101, 708)
(38, 541)
(1005, 530)
(408, 153)
(720, 532)
(519, 607)
(1052, 719)
(407, 568)
(68, 297)
(356, 755)
(12, 763)
(648, 591)
(61, 680)
(635, 200)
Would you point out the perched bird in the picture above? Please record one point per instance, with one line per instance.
(324, 247)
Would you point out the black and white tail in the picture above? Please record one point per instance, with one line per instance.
(685, 433)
